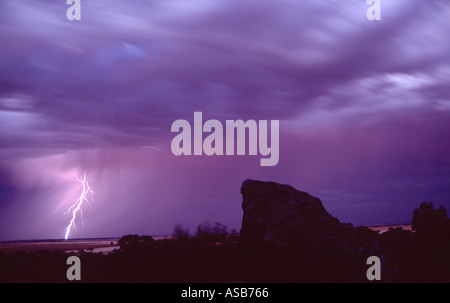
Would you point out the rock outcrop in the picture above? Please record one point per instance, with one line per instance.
(281, 216)
(276, 213)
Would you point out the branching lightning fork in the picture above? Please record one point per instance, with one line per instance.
(76, 208)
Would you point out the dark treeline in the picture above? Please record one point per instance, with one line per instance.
(215, 254)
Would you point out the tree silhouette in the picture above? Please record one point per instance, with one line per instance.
(427, 219)
(180, 232)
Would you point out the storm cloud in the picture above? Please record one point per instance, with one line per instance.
(364, 109)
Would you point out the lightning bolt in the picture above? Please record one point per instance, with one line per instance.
(75, 208)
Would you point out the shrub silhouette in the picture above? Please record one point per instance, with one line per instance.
(212, 234)
(135, 242)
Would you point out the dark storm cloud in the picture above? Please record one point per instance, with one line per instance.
(124, 72)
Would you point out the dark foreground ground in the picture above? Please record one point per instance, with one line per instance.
(220, 257)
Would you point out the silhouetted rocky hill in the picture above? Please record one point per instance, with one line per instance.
(285, 217)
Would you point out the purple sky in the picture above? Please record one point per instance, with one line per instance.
(364, 109)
